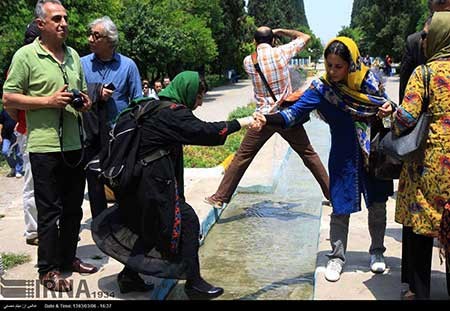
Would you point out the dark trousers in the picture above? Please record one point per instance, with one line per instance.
(416, 263)
(96, 188)
(58, 192)
(190, 244)
(253, 142)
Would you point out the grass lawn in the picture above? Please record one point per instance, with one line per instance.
(205, 157)
(11, 260)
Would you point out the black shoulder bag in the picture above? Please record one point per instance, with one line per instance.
(411, 145)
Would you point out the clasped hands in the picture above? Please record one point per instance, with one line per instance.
(385, 110)
(255, 122)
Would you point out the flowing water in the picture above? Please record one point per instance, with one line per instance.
(264, 245)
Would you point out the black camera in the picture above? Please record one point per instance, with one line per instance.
(77, 100)
(110, 86)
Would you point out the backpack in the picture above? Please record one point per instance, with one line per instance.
(116, 162)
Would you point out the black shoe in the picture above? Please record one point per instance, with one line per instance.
(33, 241)
(201, 290)
(130, 281)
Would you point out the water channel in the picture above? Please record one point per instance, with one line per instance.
(264, 246)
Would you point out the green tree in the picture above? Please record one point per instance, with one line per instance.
(385, 24)
(232, 36)
(16, 15)
(268, 13)
(81, 13)
(354, 33)
(314, 47)
(278, 13)
(162, 36)
(295, 14)
(168, 39)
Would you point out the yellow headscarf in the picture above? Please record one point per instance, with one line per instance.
(357, 71)
(349, 95)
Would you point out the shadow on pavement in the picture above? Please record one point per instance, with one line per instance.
(358, 261)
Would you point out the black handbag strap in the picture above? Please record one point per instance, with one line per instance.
(426, 76)
(263, 78)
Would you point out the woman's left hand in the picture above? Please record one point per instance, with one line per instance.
(385, 110)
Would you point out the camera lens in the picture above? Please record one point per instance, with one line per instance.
(77, 100)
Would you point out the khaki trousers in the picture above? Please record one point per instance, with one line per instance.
(253, 142)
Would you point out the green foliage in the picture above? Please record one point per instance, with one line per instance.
(231, 36)
(384, 24)
(203, 157)
(289, 14)
(314, 47)
(81, 13)
(214, 80)
(11, 260)
(242, 112)
(170, 40)
(15, 15)
(354, 33)
(4, 168)
(278, 13)
(425, 14)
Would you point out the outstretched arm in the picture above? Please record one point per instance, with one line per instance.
(293, 34)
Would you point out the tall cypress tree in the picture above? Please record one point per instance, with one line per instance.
(229, 39)
(296, 16)
(278, 13)
(385, 24)
(267, 12)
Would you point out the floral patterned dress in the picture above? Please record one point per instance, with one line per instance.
(424, 186)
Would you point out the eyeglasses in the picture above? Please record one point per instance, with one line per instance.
(96, 35)
(423, 34)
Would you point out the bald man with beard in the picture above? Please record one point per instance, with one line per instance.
(273, 62)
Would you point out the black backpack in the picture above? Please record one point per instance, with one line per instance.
(116, 162)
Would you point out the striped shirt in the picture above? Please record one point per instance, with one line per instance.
(273, 62)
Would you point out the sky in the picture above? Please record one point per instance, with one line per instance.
(326, 18)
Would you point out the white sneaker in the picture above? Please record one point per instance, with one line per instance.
(377, 263)
(19, 175)
(333, 271)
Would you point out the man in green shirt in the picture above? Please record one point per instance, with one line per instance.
(41, 80)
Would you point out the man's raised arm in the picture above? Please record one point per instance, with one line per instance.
(290, 33)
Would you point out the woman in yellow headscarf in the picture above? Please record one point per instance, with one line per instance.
(348, 97)
(423, 200)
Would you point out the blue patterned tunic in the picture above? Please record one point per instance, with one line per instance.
(348, 177)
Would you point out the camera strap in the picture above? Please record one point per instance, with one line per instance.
(61, 138)
(61, 126)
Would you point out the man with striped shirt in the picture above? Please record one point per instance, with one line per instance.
(274, 64)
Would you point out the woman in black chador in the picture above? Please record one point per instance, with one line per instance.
(152, 230)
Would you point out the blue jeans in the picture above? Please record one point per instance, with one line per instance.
(11, 151)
